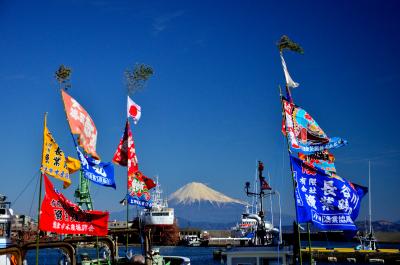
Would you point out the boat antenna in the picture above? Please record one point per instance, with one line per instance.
(270, 200)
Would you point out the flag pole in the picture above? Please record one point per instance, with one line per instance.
(309, 242)
(127, 199)
(293, 180)
(127, 211)
(38, 229)
(40, 194)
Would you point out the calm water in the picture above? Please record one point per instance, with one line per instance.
(197, 255)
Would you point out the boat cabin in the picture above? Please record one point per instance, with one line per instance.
(259, 256)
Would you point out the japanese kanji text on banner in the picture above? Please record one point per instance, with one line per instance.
(81, 123)
(61, 216)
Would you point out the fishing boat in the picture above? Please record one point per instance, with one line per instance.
(159, 214)
(253, 226)
(6, 216)
(246, 227)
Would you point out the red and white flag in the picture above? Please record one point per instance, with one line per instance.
(133, 110)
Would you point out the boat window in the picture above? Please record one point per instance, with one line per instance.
(160, 214)
(4, 229)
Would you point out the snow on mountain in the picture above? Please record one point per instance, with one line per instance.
(196, 192)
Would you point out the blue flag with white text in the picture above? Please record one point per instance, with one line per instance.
(330, 203)
(140, 201)
(99, 172)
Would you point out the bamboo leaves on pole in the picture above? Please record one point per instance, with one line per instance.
(136, 78)
(63, 76)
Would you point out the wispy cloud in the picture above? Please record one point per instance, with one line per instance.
(160, 23)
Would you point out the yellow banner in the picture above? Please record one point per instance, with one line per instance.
(54, 162)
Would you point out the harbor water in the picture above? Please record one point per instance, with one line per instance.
(197, 255)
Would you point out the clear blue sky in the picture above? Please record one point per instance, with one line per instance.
(212, 108)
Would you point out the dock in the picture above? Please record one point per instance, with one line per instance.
(346, 255)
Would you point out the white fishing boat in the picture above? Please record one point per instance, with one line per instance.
(246, 226)
(160, 214)
(6, 216)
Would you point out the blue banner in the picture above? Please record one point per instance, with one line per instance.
(330, 203)
(99, 172)
(140, 201)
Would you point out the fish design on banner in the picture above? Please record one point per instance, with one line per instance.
(329, 203)
(138, 190)
(323, 160)
(303, 132)
(138, 184)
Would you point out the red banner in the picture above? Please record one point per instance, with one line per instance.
(61, 216)
(81, 123)
(125, 155)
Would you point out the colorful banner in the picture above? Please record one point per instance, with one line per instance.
(125, 155)
(138, 191)
(81, 123)
(138, 184)
(303, 132)
(99, 172)
(54, 162)
(61, 216)
(322, 160)
(329, 203)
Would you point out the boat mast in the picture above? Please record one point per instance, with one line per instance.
(369, 197)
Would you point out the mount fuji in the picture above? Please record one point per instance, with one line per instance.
(196, 204)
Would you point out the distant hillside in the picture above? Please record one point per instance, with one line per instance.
(380, 226)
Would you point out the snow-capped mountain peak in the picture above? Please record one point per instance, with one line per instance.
(196, 192)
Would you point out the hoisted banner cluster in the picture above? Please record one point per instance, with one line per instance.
(138, 184)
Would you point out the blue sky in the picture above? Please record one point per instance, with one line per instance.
(212, 108)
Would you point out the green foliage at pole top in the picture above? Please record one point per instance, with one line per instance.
(137, 77)
(62, 75)
(287, 44)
